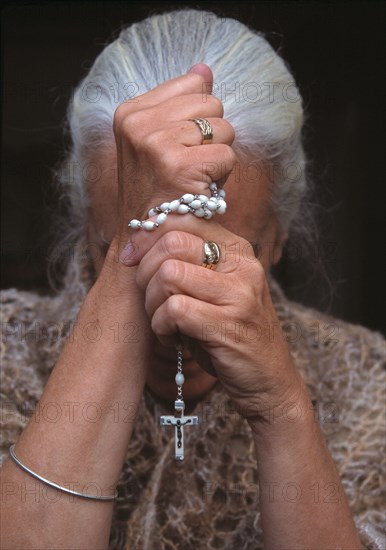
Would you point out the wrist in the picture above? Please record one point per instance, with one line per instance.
(116, 304)
(282, 416)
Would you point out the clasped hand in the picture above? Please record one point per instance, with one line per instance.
(227, 312)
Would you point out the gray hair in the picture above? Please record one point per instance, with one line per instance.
(259, 94)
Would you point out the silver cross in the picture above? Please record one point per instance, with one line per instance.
(179, 421)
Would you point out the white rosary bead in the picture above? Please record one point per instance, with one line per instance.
(199, 213)
(148, 225)
(180, 379)
(203, 198)
(183, 209)
(187, 198)
(135, 224)
(161, 218)
(201, 206)
(221, 206)
(211, 204)
(195, 204)
(173, 206)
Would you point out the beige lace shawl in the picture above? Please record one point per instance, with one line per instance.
(211, 500)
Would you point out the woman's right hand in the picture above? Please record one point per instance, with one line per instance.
(159, 151)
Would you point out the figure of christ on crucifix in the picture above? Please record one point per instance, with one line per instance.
(179, 421)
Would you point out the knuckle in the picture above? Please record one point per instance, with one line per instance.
(123, 113)
(257, 275)
(247, 248)
(171, 164)
(258, 270)
(216, 105)
(175, 305)
(254, 263)
(250, 261)
(229, 128)
(132, 125)
(151, 142)
(170, 271)
(173, 241)
(229, 156)
(140, 278)
(132, 122)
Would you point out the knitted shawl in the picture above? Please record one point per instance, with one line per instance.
(211, 499)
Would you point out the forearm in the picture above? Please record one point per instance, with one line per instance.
(303, 504)
(90, 405)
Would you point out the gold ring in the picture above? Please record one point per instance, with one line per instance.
(211, 254)
(205, 128)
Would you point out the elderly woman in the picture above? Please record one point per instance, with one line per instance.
(175, 342)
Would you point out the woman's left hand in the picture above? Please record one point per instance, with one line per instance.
(228, 310)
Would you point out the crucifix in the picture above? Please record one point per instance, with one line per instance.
(179, 421)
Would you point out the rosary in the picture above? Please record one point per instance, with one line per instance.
(200, 206)
(179, 420)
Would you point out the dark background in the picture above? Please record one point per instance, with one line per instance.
(336, 52)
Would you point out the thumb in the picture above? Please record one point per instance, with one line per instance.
(204, 71)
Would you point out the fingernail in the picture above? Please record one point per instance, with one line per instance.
(199, 68)
(127, 253)
(193, 69)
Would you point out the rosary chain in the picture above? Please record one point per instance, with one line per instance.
(200, 206)
(179, 371)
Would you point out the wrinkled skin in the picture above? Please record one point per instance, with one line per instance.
(225, 315)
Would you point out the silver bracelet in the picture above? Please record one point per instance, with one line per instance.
(55, 485)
